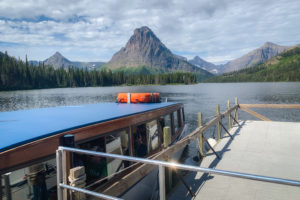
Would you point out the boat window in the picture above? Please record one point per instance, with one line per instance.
(152, 136)
(95, 166)
(182, 116)
(175, 121)
(182, 112)
(140, 140)
(167, 121)
(180, 120)
(99, 167)
(117, 144)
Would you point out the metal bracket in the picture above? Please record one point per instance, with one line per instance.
(235, 121)
(226, 130)
(211, 147)
(185, 184)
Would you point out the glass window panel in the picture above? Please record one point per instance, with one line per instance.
(152, 136)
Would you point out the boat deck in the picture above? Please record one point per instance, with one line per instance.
(259, 147)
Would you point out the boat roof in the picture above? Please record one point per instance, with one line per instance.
(24, 126)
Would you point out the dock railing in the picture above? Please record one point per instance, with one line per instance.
(157, 160)
(62, 185)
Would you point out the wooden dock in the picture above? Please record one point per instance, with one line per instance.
(264, 148)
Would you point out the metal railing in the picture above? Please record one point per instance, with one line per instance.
(62, 185)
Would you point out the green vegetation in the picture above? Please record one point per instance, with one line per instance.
(284, 67)
(140, 70)
(146, 70)
(16, 74)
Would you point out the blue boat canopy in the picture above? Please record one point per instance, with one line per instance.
(24, 126)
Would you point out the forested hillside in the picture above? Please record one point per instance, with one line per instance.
(17, 74)
(284, 67)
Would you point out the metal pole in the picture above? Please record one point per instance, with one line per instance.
(64, 172)
(7, 186)
(187, 167)
(226, 130)
(1, 192)
(59, 175)
(162, 184)
(99, 195)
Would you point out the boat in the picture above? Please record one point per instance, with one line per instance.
(30, 138)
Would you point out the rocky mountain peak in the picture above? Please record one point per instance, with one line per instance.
(143, 38)
(199, 62)
(256, 56)
(57, 54)
(145, 49)
(58, 60)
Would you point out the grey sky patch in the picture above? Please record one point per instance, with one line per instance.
(87, 30)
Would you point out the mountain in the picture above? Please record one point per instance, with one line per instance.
(145, 49)
(88, 65)
(199, 62)
(181, 57)
(260, 55)
(58, 60)
(283, 67)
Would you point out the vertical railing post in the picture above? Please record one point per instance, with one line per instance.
(167, 136)
(229, 119)
(201, 146)
(7, 186)
(59, 174)
(218, 124)
(167, 142)
(64, 173)
(236, 114)
(162, 184)
(67, 140)
(1, 193)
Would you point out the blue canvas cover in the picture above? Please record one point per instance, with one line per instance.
(24, 126)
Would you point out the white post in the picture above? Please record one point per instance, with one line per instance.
(162, 184)
(64, 173)
(59, 177)
(7, 186)
(128, 98)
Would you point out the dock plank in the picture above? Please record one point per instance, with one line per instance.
(259, 147)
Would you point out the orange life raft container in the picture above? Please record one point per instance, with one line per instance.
(138, 97)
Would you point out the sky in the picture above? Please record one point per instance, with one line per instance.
(85, 30)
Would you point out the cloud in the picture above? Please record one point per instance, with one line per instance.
(85, 30)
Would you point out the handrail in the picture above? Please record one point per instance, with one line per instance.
(245, 107)
(96, 194)
(163, 164)
(165, 154)
(185, 167)
(291, 106)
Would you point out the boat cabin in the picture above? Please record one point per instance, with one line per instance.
(30, 138)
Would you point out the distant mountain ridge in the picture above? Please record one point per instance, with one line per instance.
(145, 49)
(58, 60)
(283, 67)
(256, 56)
(199, 62)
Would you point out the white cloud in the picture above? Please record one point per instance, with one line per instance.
(93, 30)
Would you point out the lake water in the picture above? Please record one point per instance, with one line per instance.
(196, 98)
